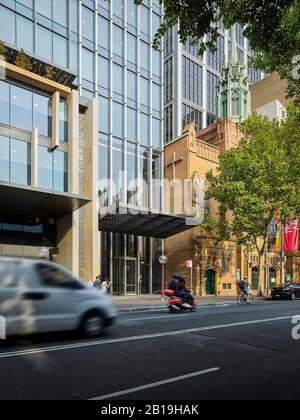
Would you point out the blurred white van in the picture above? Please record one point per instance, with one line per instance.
(39, 296)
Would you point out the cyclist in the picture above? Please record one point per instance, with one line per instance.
(245, 287)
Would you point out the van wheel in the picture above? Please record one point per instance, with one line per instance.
(93, 325)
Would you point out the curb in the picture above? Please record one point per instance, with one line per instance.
(157, 308)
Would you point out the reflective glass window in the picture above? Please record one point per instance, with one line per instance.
(60, 12)
(156, 97)
(131, 86)
(25, 34)
(45, 168)
(60, 51)
(117, 169)
(103, 114)
(88, 65)
(131, 13)
(144, 55)
(144, 129)
(103, 33)
(4, 158)
(118, 125)
(103, 73)
(88, 24)
(7, 26)
(103, 171)
(118, 8)
(42, 114)
(44, 7)
(63, 120)
(156, 133)
(21, 108)
(118, 79)
(43, 43)
(131, 124)
(4, 103)
(19, 162)
(156, 63)
(144, 91)
(131, 174)
(131, 48)
(145, 27)
(118, 41)
(60, 171)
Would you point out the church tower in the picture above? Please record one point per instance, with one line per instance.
(234, 97)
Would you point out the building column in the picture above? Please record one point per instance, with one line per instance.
(55, 120)
(68, 228)
(91, 210)
(34, 157)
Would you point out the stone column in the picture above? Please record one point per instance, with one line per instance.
(55, 120)
(34, 157)
(91, 210)
(68, 228)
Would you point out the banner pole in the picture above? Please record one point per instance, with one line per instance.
(282, 253)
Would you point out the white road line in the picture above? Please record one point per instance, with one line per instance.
(137, 338)
(155, 384)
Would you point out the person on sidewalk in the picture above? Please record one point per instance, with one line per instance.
(105, 285)
(97, 282)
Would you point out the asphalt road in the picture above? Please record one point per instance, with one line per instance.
(217, 353)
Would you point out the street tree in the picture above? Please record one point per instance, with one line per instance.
(258, 181)
(272, 27)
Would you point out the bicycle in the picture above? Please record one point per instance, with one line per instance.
(244, 298)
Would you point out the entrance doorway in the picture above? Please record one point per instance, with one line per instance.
(125, 276)
(255, 278)
(272, 277)
(211, 282)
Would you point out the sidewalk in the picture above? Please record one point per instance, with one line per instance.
(154, 302)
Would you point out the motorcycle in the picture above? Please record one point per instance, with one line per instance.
(176, 303)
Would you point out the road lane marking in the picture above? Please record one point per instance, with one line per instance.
(137, 338)
(155, 384)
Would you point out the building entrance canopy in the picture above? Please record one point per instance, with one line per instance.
(28, 202)
(132, 220)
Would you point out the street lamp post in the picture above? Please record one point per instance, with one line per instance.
(199, 273)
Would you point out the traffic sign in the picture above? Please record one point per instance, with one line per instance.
(163, 259)
(189, 264)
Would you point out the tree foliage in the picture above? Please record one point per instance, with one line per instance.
(23, 61)
(272, 27)
(259, 180)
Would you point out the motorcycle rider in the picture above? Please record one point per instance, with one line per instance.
(178, 285)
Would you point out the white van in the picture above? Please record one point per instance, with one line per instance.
(38, 297)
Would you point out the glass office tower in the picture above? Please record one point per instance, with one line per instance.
(191, 81)
(106, 48)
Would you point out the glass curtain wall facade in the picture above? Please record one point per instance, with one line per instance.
(128, 83)
(191, 81)
(108, 46)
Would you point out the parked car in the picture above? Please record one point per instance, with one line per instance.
(40, 297)
(290, 291)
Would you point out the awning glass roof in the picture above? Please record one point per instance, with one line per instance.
(28, 202)
(126, 219)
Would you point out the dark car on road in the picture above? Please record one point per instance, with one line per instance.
(291, 291)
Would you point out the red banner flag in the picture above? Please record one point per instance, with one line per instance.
(291, 234)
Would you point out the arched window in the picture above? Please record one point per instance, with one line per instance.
(245, 103)
(224, 105)
(235, 103)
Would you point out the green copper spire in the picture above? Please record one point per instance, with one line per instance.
(234, 97)
(234, 51)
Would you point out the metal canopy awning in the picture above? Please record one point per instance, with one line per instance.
(131, 220)
(28, 202)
